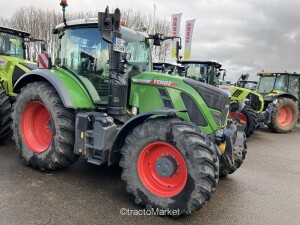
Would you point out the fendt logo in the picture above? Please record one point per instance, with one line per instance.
(164, 83)
(156, 82)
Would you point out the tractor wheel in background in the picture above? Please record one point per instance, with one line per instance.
(43, 129)
(169, 164)
(284, 116)
(5, 113)
(248, 115)
(227, 166)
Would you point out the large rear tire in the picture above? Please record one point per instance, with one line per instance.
(5, 113)
(248, 115)
(187, 186)
(43, 129)
(284, 116)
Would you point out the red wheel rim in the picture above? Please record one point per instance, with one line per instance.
(152, 180)
(37, 127)
(241, 117)
(285, 116)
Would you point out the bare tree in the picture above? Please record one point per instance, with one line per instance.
(40, 22)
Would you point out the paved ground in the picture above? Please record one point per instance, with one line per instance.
(265, 190)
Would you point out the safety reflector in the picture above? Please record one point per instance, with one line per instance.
(44, 61)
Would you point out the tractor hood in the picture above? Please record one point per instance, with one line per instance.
(206, 105)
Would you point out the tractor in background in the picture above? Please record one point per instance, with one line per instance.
(209, 72)
(13, 65)
(167, 68)
(243, 82)
(281, 95)
(102, 101)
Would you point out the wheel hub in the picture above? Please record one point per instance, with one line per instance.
(37, 127)
(166, 166)
(162, 169)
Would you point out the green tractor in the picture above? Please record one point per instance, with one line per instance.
(13, 65)
(281, 96)
(209, 72)
(101, 100)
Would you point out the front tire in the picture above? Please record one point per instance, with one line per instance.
(248, 116)
(284, 116)
(5, 113)
(43, 129)
(193, 165)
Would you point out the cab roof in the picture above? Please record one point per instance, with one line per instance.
(277, 73)
(211, 63)
(14, 31)
(167, 63)
(93, 21)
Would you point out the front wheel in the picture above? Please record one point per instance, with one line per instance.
(248, 116)
(284, 116)
(169, 164)
(43, 129)
(5, 120)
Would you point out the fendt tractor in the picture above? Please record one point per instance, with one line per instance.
(209, 72)
(281, 96)
(101, 100)
(13, 65)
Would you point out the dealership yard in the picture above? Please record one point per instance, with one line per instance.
(265, 190)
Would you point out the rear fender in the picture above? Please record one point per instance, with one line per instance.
(70, 90)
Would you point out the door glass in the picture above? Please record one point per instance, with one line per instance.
(294, 86)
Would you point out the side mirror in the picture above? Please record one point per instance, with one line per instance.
(126, 56)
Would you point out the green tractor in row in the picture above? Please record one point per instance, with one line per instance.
(13, 65)
(101, 100)
(209, 72)
(281, 96)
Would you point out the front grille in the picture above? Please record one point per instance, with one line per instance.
(237, 93)
(167, 102)
(214, 98)
(255, 102)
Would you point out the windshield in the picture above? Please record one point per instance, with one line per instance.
(196, 72)
(202, 72)
(11, 45)
(266, 84)
(84, 52)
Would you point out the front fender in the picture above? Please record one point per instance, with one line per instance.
(70, 90)
(114, 154)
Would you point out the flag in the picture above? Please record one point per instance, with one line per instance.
(175, 23)
(189, 28)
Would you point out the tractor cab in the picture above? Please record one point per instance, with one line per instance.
(204, 71)
(82, 52)
(12, 42)
(273, 84)
(168, 68)
(251, 85)
(13, 54)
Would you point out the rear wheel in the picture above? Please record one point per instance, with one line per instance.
(169, 164)
(248, 116)
(5, 112)
(44, 130)
(284, 115)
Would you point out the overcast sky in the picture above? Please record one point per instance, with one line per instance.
(245, 36)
